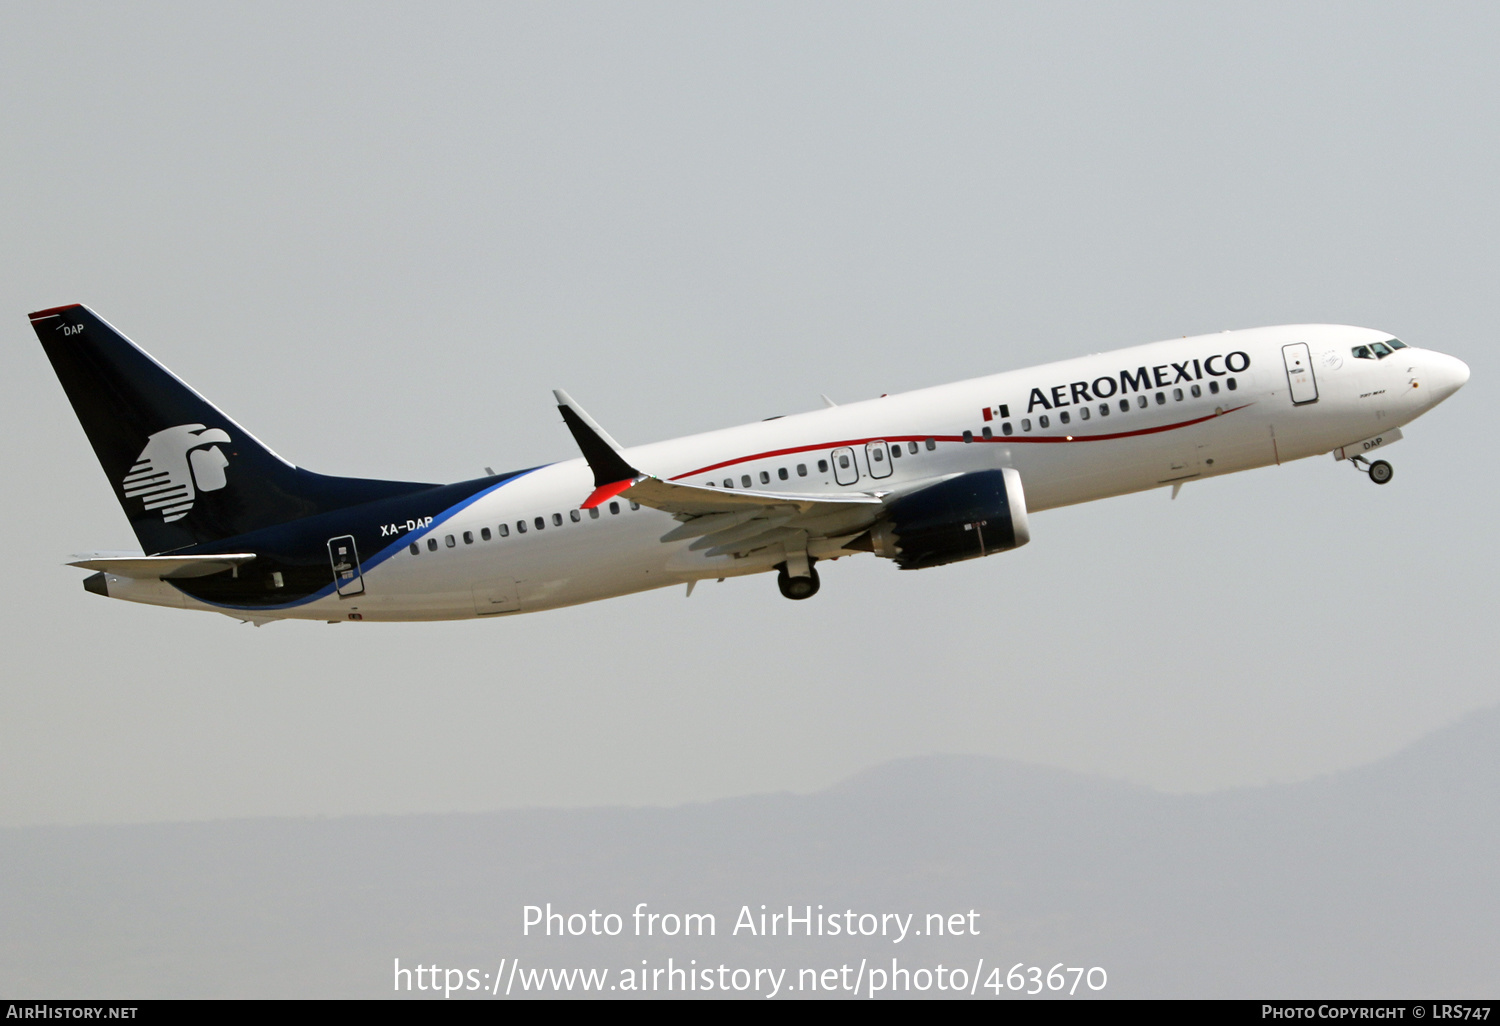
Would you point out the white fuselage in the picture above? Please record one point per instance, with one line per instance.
(1202, 406)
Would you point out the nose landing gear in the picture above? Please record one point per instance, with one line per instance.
(1380, 471)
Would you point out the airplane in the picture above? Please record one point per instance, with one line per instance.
(923, 478)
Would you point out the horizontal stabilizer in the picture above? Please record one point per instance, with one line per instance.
(148, 567)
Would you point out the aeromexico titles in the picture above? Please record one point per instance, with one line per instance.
(921, 478)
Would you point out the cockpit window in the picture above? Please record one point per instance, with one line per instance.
(1395, 343)
(1376, 351)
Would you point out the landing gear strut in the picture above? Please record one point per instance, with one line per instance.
(1380, 471)
(797, 588)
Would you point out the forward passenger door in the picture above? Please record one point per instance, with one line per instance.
(1299, 373)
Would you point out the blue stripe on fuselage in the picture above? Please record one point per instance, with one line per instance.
(366, 565)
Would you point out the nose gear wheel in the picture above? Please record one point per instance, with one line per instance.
(1380, 471)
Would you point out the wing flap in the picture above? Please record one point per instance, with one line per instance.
(708, 524)
(774, 535)
(753, 527)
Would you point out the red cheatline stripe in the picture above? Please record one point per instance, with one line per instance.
(606, 492)
(53, 311)
(1007, 439)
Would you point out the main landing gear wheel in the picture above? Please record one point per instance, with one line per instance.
(797, 588)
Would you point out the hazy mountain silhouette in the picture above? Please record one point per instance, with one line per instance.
(1380, 881)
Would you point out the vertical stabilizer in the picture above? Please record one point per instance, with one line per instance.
(184, 472)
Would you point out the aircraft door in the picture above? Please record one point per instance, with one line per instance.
(878, 455)
(347, 576)
(845, 469)
(1299, 373)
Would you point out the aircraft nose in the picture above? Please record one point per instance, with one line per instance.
(1447, 374)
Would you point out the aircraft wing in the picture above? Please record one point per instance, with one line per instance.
(695, 501)
(723, 520)
(148, 567)
(733, 522)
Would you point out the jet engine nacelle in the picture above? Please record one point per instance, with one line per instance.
(974, 515)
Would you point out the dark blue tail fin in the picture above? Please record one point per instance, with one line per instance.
(184, 472)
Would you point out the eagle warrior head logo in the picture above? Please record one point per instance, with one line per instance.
(175, 466)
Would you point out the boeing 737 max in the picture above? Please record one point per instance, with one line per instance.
(923, 478)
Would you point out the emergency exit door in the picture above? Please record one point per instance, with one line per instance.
(347, 576)
(845, 470)
(1299, 373)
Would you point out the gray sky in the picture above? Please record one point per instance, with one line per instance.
(378, 236)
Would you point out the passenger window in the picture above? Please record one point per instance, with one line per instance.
(1044, 422)
(765, 478)
(1161, 398)
(931, 444)
(1213, 386)
(450, 541)
(896, 449)
(557, 520)
(1083, 413)
(985, 431)
(634, 504)
(1104, 409)
(1177, 395)
(911, 447)
(844, 462)
(728, 482)
(822, 466)
(415, 551)
(1229, 382)
(468, 537)
(745, 480)
(1125, 405)
(520, 527)
(1064, 417)
(1197, 392)
(484, 532)
(1141, 401)
(593, 512)
(802, 470)
(431, 544)
(1025, 423)
(541, 524)
(504, 530)
(1006, 429)
(574, 515)
(968, 437)
(781, 473)
(614, 507)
